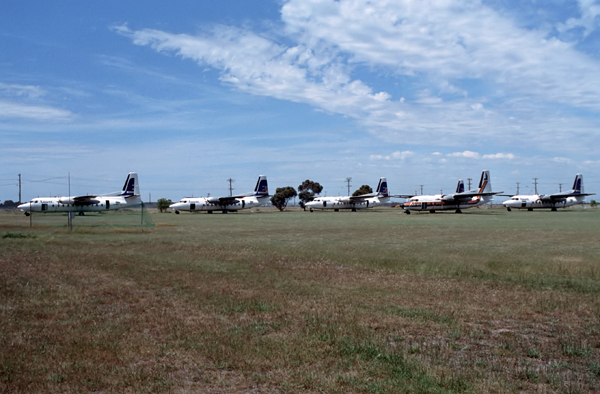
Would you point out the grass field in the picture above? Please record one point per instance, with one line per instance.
(267, 302)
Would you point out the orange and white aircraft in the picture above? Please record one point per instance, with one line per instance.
(458, 200)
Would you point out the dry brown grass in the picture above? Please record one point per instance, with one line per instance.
(183, 308)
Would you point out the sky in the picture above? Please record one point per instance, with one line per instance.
(190, 94)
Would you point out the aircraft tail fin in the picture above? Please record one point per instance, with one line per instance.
(485, 183)
(578, 184)
(460, 187)
(262, 187)
(131, 187)
(382, 188)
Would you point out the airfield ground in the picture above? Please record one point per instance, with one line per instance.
(267, 302)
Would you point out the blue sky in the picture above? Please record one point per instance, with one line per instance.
(191, 93)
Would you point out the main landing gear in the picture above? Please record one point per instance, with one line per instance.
(458, 211)
(176, 212)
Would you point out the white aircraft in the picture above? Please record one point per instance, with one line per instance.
(129, 196)
(260, 196)
(459, 199)
(552, 201)
(370, 200)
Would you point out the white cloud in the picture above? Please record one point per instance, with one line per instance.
(7, 89)
(467, 154)
(394, 156)
(509, 156)
(34, 112)
(442, 49)
(562, 160)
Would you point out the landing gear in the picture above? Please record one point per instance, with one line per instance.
(176, 212)
(431, 211)
(407, 211)
(81, 214)
(530, 209)
(458, 211)
(353, 209)
(553, 209)
(311, 210)
(209, 212)
(336, 210)
(27, 214)
(508, 209)
(225, 211)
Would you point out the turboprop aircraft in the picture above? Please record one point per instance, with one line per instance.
(552, 201)
(260, 196)
(129, 196)
(457, 200)
(370, 200)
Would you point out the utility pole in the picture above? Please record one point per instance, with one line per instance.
(230, 188)
(560, 187)
(535, 184)
(421, 189)
(19, 188)
(348, 181)
(518, 183)
(469, 180)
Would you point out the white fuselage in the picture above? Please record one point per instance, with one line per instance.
(337, 203)
(66, 204)
(436, 203)
(199, 204)
(537, 201)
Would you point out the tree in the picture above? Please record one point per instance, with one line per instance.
(364, 189)
(593, 204)
(163, 204)
(307, 190)
(282, 196)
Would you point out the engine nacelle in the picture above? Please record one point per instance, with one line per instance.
(345, 199)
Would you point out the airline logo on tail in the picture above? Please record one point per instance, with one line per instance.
(578, 184)
(484, 183)
(131, 188)
(382, 188)
(262, 188)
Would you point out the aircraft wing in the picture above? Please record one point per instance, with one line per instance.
(467, 195)
(80, 200)
(562, 196)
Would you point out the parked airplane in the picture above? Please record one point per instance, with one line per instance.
(260, 196)
(457, 200)
(129, 196)
(552, 201)
(370, 200)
